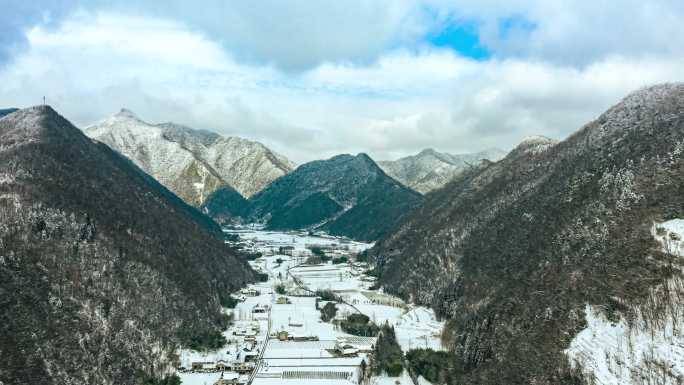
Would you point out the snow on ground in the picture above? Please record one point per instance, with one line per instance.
(298, 316)
(669, 234)
(199, 378)
(404, 379)
(616, 353)
(297, 381)
(650, 348)
(273, 239)
(419, 328)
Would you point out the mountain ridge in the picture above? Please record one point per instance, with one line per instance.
(513, 253)
(429, 169)
(7, 111)
(341, 189)
(192, 163)
(103, 271)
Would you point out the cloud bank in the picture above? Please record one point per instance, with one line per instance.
(315, 79)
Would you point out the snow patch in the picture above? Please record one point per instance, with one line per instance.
(617, 353)
(181, 158)
(649, 349)
(536, 144)
(669, 235)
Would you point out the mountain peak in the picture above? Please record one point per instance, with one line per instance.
(364, 157)
(360, 160)
(36, 115)
(192, 163)
(430, 169)
(660, 98)
(41, 110)
(537, 139)
(41, 123)
(657, 98)
(534, 143)
(126, 114)
(428, 151)
(657, 92)
(336, 195)
(655, 102)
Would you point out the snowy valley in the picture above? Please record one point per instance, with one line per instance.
(277, 335)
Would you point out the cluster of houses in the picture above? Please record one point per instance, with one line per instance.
(284, 335)
(328, 248)
(250, 292)
(244, 363)
(298, 348)
(352, 346)
(240, 367)
(232, 379)
(242, 360)
(248, 335)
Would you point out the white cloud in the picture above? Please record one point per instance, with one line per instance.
(297, 34)
(573, 32)
(400, 102)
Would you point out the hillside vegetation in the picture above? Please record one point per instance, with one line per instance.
(513, 252)
(103, 272)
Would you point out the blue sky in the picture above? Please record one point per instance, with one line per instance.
(313, 79)
(461, 37)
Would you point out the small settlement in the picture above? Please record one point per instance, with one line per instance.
(277, 334)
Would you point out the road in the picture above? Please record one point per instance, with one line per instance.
(263, 350)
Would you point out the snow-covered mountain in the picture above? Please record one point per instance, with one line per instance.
(429, 169)
(191, 163)
(561, 263)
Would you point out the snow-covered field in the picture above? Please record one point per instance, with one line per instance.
(311, 358)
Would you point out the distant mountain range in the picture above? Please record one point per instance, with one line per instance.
(103, 271)
(6, 111)
(191, 163)
(430, 170)
(546, 264)
(233, 179)
(344, 195)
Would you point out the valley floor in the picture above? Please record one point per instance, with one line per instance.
(281, 339)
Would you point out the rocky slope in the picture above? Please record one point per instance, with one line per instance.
(345, 195)
(103, 271)
(548, 263)
(191, 163)
(429, 169)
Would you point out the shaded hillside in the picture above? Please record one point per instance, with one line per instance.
(514, 253)
(6, 111)
(225, 205)
(430, 170)
(101, 267)
(345, 195)
(191, 163)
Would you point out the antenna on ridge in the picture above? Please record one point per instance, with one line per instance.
(43, 100)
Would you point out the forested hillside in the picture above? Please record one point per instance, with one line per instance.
(103, 272)
(345, 195)
(523, 254)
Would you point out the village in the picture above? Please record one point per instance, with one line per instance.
(292, 327)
